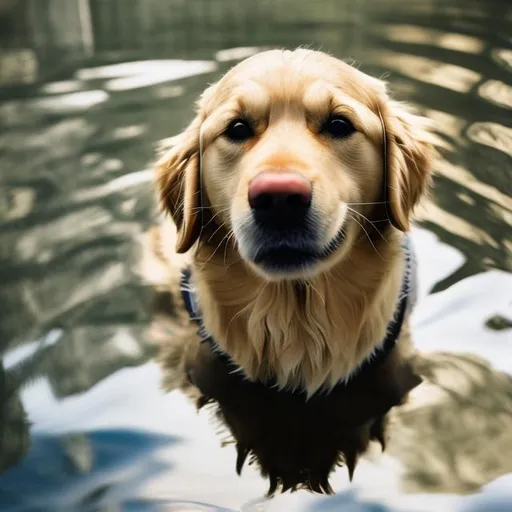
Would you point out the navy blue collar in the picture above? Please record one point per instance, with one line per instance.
(405, 302)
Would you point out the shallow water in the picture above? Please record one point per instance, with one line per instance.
(83, 421)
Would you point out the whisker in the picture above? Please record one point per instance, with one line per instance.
(247, 306)
(374, 202)
(235, 262)
(213, 218)
(310, 284)
(369, 221)
(215, 232)
(197, 208)
(232, 235)
(216, 249)
(237, 315)
(368, 236)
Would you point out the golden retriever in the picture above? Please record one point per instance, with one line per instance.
(290, 193)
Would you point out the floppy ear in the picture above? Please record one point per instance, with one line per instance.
(410, 154)
(178, 182)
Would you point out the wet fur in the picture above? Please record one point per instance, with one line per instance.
(297, 442)
(308, 334)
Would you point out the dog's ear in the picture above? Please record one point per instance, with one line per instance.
(178, 182)
(409, 143)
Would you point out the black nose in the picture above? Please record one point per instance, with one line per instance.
(280, 209)
(280, 199)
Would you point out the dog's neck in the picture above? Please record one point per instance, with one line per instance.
(307, 336)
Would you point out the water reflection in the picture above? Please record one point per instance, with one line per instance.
(412, 34)
(503, 57)
(492, 134)
(83, 421)
(442, 74)
(496, 92)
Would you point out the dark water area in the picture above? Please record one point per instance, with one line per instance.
(88, 88)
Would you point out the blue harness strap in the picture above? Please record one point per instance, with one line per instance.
(405, 303)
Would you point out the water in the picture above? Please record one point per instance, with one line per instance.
(84, 423)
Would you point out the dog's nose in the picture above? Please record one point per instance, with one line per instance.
(280, 196)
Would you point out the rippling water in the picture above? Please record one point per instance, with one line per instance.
(83, 423)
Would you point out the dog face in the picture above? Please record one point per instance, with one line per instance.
(292, 152)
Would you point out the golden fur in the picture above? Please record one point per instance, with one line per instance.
(312, 329)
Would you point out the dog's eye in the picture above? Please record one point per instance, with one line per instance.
(238, 131)
(339, 127)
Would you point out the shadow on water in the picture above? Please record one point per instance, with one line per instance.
(88, 87)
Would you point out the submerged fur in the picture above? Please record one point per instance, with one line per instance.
(298, 442)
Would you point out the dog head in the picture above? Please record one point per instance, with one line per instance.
(292, 154)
